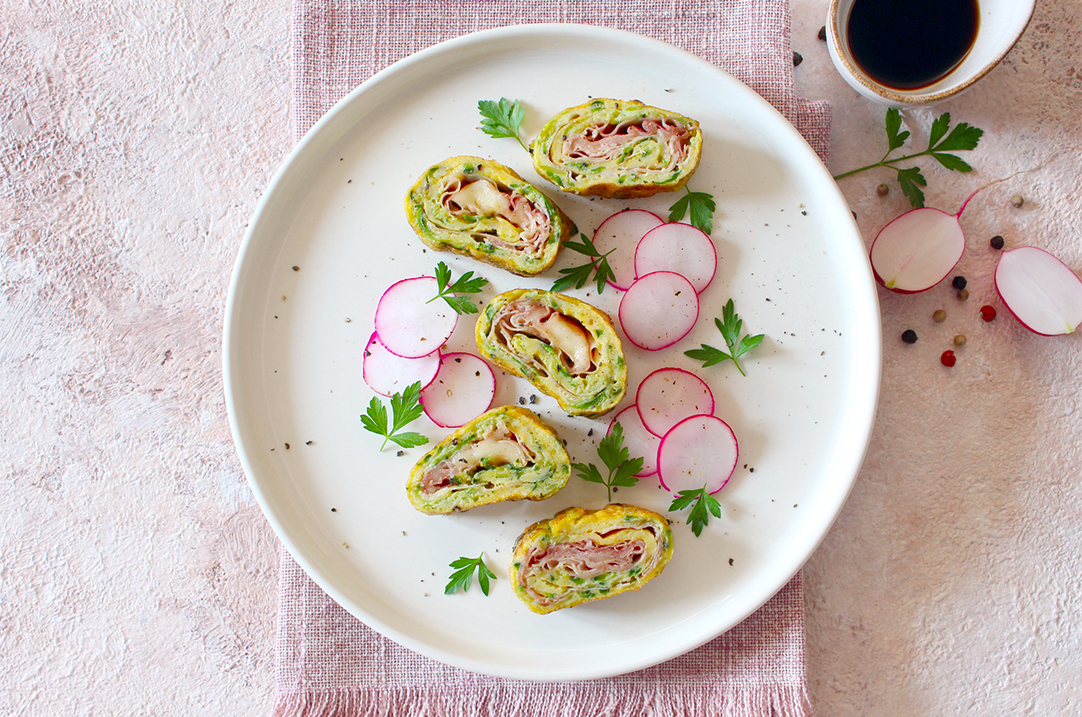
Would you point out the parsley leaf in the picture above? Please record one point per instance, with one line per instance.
(963, 137)
(617, 458)
(577, 276)
(405, 409)
(466, 284)
(462, 577)
(502, 119)
(701, 207)
(702, 504)
(729, 325)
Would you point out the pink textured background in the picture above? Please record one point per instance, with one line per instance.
(139, 577)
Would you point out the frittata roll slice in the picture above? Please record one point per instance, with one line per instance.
(565, 347)
(582, 555)
(507, 453)
(480, 208)
(616, 148)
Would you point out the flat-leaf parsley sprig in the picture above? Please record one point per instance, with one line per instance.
(502, 119)
(729, 325)
(702, 506)
(465, 284)
(700, 205)
(963, 137)
(617, 458)
(462, 577)
(405, 409)
(577, 276)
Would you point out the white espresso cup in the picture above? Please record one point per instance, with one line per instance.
(1000, 25)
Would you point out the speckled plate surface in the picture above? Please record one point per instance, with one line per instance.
(330, 235)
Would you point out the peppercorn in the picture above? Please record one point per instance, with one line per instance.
(823, 33)
(959, 282)
(797, 58)
(939, 316)
(988, 313)
(997, 242)
(909, 336)
(963, 294)
(960, 340)
(882, 190)
(948, 359)
(1017, 201)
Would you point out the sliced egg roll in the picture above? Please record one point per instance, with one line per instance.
(480, 208)
(616, 148)
(507, 453)
(564, 346)
(582, 555)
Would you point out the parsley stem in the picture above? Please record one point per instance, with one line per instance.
(884, 163)
(522, 144)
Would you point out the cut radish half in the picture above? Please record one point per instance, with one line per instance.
(681, 249)
(621, 232)
(658, 310)
(917, 250)
(462, 391)
(638, 441)
(699, 451)
(1040, 290)
(668, 396)
(387, 374)
(408, 324)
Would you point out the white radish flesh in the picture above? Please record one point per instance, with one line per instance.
(668, 396)
(1040, 290)
(408, 323)
(640, 443)
(387, 374)
(621, 232)
(679, 248)
(658, 310)
(699, 451)
(462, 391)
(917, 250)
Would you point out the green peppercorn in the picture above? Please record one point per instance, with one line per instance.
(963, 294)
(939, 316)
(959, 340)
(1017, 201)
(882, 190)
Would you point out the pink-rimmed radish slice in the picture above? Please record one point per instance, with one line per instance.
(699, 451)
(668, 396)
(462, 391)
(917, 250)
(681, 249)
(387, 374)
(638, 441)
(622, 232)
(1040, 290)
(658, 310)
(408, 323)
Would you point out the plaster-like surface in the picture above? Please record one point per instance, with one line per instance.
(139, 577)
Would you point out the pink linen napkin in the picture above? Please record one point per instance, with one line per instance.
(328, 662)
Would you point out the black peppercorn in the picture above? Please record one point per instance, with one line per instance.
(823, 33)
(959, 282)
(909, 336)
(997, 242)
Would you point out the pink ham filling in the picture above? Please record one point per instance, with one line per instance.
(501, 447)
(533, 224)
(605, 143)
(584, 559)
(527, 317)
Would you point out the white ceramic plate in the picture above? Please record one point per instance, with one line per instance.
(330, 235)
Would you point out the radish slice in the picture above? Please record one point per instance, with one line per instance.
(917, 250)
(622, 232)
(1040, 290)
(407, 324)
(679, 248)
(638, 440)
(462, 391)
(387, 374)
(658, 310)
(699, 451)
(668, 396)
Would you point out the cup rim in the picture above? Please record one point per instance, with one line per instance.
(910, 98)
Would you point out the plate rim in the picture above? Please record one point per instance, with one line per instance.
(863, 416)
